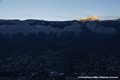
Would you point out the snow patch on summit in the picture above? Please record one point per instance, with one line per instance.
(91, 18)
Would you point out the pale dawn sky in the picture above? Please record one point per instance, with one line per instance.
(58, 9)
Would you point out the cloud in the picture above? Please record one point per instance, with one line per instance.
(108, 17)
(22, 16)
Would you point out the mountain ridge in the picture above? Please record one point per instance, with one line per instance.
(35, 26)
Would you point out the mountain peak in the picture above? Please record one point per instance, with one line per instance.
(91, 18)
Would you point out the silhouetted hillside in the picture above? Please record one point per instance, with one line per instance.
(65, 46)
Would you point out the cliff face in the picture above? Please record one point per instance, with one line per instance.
(91, 18)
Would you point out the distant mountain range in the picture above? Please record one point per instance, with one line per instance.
(87, 29)
(92, 23)
(82, 36)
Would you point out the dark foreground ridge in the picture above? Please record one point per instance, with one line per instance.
(63, 50)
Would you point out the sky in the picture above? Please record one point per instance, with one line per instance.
(58, 10)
